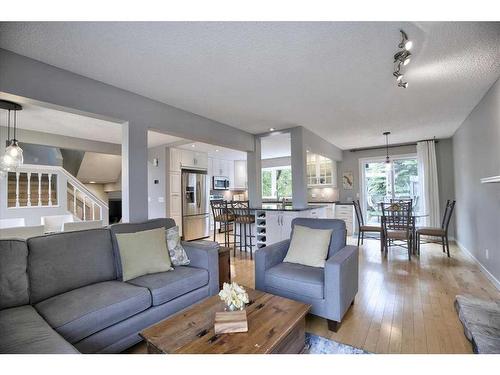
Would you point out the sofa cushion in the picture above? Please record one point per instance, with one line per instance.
(132, 228)
(25, 332)
(165, 286)
(337, 226)
(13, 273)
(296, 278)
(61, 262)
(81, 312)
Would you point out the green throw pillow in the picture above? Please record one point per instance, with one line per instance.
(142, 253)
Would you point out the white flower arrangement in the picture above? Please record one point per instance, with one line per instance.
(234, 296)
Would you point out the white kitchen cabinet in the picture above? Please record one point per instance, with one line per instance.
(279, 225)
(321, 171)
(346, 212)
(230, 174)
(175, 160)
(194, 159)
(175, 183)
(240, 174)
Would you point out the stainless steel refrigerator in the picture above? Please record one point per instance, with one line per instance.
(195, 205)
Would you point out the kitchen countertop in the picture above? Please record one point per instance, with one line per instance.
(279, 207)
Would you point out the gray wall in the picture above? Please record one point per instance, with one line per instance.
(444, 156)
(42, 155)
(476, 147)
(157, 194)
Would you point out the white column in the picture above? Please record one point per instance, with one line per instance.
(299, 168)
(39, 189)
(254, 174)
(134, 172)
(17, 189)
(29, 189)
(50, 188)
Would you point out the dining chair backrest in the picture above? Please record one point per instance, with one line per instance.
(240, 208)
(402, 200)
(397, 216)
(359, 214)
(220, 209)
(450, 205)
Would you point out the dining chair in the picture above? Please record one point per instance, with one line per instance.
(240, 211)
(362, 228)
(397, 225)
(222, 215)
(438, 232)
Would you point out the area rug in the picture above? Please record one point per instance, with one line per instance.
(321, 345)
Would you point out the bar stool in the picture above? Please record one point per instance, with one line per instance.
(242, 216)
(222, 215)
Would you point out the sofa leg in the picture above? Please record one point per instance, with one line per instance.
(333, 325)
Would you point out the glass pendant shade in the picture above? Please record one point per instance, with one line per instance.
(13, 156)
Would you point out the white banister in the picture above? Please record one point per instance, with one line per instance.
(50, 189)
(39, 189)
(29, 189)
(84, 215)
(17, 189)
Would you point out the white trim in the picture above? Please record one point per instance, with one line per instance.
(483, 269)
(489, 180)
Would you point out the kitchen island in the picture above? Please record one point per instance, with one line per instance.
(273, 221)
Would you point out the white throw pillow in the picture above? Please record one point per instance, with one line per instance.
(309, 246)
(142, 253)
(177, 253)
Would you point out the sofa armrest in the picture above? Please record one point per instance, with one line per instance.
(205, 254)
(341, 281)
(266, 258)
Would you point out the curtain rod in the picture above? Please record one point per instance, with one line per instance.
(393, 145)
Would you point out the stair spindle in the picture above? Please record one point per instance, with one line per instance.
(93, 210)
(39, 189)
(50, 189)
(29, 190)
(75, 191)
(17, 189)
(84, 214)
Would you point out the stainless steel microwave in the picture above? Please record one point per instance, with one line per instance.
(220, 183)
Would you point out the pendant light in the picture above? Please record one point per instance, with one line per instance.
(13, 156)
(387, 158)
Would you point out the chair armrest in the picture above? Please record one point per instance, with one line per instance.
(267, 257)
(205, 254)
(341, 281)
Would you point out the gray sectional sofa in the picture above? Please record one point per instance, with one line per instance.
(62, 293)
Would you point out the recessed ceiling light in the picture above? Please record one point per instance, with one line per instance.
(192, 145)
(408, 45)
(272, 129)
(91, 182)
(216, 150)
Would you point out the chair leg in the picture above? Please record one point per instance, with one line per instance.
(251, 246)
(442, 243)
(215, 229)
(359, 236)
(333, 325)
(362, 237)
(447, 246)
(234, 238)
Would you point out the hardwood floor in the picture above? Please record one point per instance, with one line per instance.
(401, 306)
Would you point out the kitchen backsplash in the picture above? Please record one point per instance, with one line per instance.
(325, 194)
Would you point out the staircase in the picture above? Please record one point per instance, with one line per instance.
(39, 190)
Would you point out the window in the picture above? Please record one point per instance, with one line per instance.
(381, 184)
(277, 182)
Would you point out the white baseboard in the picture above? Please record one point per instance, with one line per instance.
(483, 269)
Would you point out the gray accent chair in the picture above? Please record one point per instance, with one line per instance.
(330, 291)
(63, 293)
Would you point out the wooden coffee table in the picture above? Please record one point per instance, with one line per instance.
(275, 325)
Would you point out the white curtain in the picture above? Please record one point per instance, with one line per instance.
(429, 189)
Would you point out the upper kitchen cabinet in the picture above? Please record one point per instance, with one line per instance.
(221, 167)
(321, 171)
(175, 160)
(240, 174)
(194, 159)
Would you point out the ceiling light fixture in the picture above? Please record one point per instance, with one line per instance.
(192, 145)
(402, 58)
(272, 129)
(387, 158)
(13, 156)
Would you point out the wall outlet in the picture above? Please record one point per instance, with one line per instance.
(487, 254)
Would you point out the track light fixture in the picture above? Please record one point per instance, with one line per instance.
(402, 58)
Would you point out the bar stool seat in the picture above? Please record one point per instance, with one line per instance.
(244, 219)
(224, 218)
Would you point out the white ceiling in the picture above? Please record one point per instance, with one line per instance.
(275, 146)
(216, 151)
(100, 168)
(52, 121)
(334, 78)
